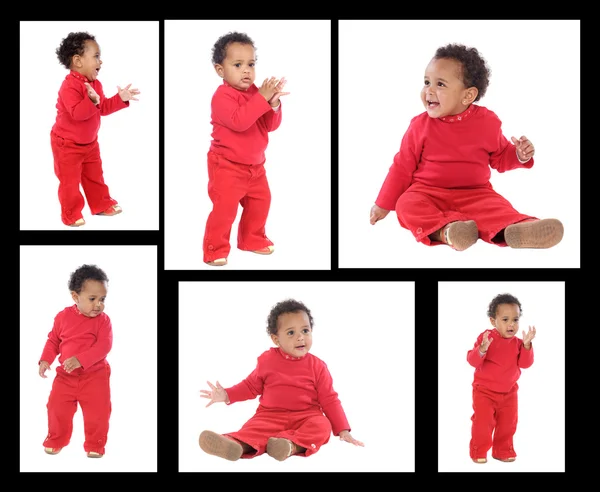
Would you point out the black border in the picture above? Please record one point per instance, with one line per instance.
(579, 337)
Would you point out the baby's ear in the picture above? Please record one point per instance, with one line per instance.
(219, 69)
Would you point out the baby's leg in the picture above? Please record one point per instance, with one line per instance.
(256, 205)
(92, 181)
(62, 405)
(425, 211)
(506, 426)
(483, 422)
(227, 185)
(305, 437)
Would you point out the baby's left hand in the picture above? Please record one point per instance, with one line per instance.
(71, 363)
(128, 94)
(524, 147)
(529, 336)
(274, 101)
(345, 436)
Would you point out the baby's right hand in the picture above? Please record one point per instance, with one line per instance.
(43, 367)
(268, 88)
(378, 213)
(92, 94)
(485, 342)
(218, 394)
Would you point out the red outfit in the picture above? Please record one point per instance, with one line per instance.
(241, 123)
(297, 402)
(74, 141)
(441, 174)
(495, 401)
(90, 340)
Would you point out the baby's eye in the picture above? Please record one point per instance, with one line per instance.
(427, 82)
(306, 330)
(291, 332)
(237, 65)
(252, 64)
(441, 84)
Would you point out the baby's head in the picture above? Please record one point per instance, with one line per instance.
(80, 52)
(455, 77)
(233, 57)
(504, 312)
(88, 286)
(290, 326)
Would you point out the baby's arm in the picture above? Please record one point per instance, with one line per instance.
(238, 118)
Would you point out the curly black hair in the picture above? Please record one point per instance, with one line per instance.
(73, 44)
(83, 273)
(284, 307)
(475, 71)
(502, 299)
(219, 50)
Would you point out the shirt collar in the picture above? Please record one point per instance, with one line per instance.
(288, 356)
(457, 118)
(78, 76)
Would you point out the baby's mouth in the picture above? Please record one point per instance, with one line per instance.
(432, 104)
(300, 347)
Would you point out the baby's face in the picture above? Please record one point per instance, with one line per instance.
(238, 67)
(294, 334)
(90, 301)
(443, 91)
(89, 63)
(507, 320)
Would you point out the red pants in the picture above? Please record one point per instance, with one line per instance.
(308, 428)
(229, 185)
(92, 391)
(495, 413)
(425, 209)
(76, 165)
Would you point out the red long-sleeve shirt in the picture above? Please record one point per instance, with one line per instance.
(77, 117)
(500, 367)
(451, 152)
(74, 334)
(289, 383)
(241, 123)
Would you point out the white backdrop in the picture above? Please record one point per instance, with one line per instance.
(540, 437)
(298, 157)
(128, 138)
(527, 59)
(364, 331)
(131, 306)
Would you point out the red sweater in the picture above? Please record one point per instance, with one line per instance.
(450, 152)
(289, 383)
(74, 334)
(77, 117)
(500, 367)
(241, 123)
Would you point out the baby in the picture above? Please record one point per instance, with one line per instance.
(74, 136)
(242, 116)
(439, 183)
(298, 407)
(498, 357)
(81, 338)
